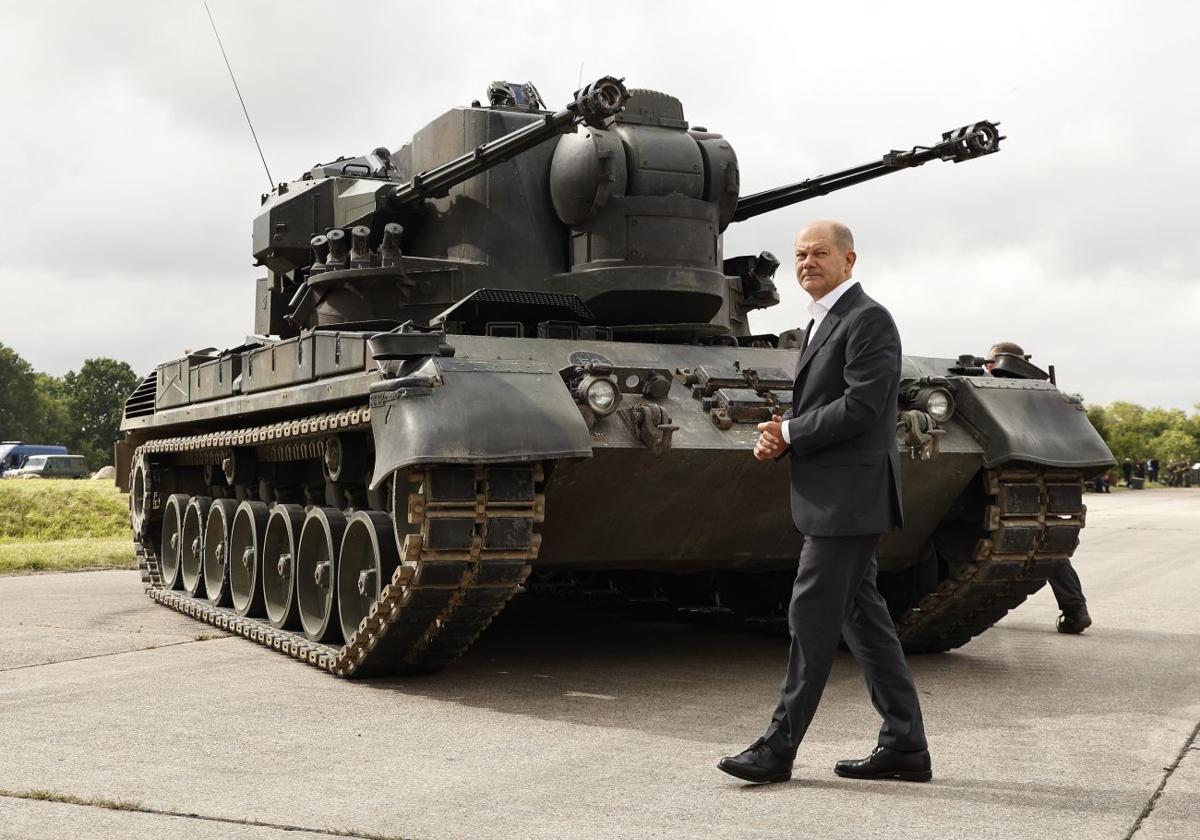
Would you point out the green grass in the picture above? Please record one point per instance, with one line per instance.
(63, 526)
(67, 555)
(42, 510)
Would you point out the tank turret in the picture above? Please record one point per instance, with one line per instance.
(624, 217)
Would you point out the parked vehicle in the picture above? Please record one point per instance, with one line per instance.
(52, 466)
(14, 453)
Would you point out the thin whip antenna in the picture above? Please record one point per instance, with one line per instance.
(257, 145)
(579, 83)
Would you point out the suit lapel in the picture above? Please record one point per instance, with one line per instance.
(814, 344)
(827, 325)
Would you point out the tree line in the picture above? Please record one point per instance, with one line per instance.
(1139, 434)
(81, 410)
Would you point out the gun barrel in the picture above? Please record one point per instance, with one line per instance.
(966, 143)
(597, 105)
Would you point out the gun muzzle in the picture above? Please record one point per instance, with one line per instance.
(971, 141)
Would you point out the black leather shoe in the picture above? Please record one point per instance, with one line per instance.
(758, 764)
(1074, 621)
(886, 763)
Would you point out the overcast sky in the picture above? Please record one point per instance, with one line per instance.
(131, 179)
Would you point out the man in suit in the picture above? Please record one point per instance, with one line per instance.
(839, 436)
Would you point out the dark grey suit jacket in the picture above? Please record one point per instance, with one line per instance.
(842, 423)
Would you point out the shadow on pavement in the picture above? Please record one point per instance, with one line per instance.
(963, 790)
(559, 661)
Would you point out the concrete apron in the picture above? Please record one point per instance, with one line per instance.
(562, 722)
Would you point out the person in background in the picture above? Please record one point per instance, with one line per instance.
(1068, 591)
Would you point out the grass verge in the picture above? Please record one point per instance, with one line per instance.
(67, 555)
(41, 510)
(60, 526)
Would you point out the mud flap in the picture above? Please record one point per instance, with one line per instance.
(482, 416)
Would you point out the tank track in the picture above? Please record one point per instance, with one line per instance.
(450, 583)
(1033, 521)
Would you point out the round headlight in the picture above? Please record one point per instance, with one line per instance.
(602, 397)
(939, 404)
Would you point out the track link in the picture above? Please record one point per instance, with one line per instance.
(469, 536)
(1033, 520)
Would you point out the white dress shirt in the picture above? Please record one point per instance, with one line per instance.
(818, 309)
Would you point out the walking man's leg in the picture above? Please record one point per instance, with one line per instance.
(827, 577)
(871, 637)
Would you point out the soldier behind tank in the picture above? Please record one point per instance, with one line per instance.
(1068, 591)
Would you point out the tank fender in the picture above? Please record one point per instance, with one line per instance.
(475, 412)
(1029, 420)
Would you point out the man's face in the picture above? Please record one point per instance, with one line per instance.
(820, 266)
(990, 361)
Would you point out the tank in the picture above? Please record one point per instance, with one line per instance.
(512, 355)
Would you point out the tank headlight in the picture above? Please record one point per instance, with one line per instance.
(938, 404)
(601, 395)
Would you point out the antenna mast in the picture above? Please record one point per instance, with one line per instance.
(270, 180)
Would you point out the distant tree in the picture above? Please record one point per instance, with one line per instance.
(1126, 436)
(1124, 413)
(1138, 433)
(54, 411)
(1192, 425)
(18, 406)
(1175, 444)
(1099, 418)
(1155, 421)
(96, 396)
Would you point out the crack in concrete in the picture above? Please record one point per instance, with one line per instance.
(111, 653)
(67, 627)
(1189, 744)
(134, 808)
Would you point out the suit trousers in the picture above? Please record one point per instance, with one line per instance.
(835, 595)
(1068, 591)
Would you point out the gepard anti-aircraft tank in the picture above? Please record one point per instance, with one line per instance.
(513, 354)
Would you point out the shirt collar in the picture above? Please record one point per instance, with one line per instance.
(826, 303)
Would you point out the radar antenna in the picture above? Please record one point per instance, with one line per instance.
(270, 180)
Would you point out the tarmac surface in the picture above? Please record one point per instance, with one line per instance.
(570, 723)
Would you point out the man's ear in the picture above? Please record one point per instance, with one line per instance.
(851, 258)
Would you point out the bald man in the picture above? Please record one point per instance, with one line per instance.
(840, 439)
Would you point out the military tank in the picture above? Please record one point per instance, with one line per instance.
(512, 354)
